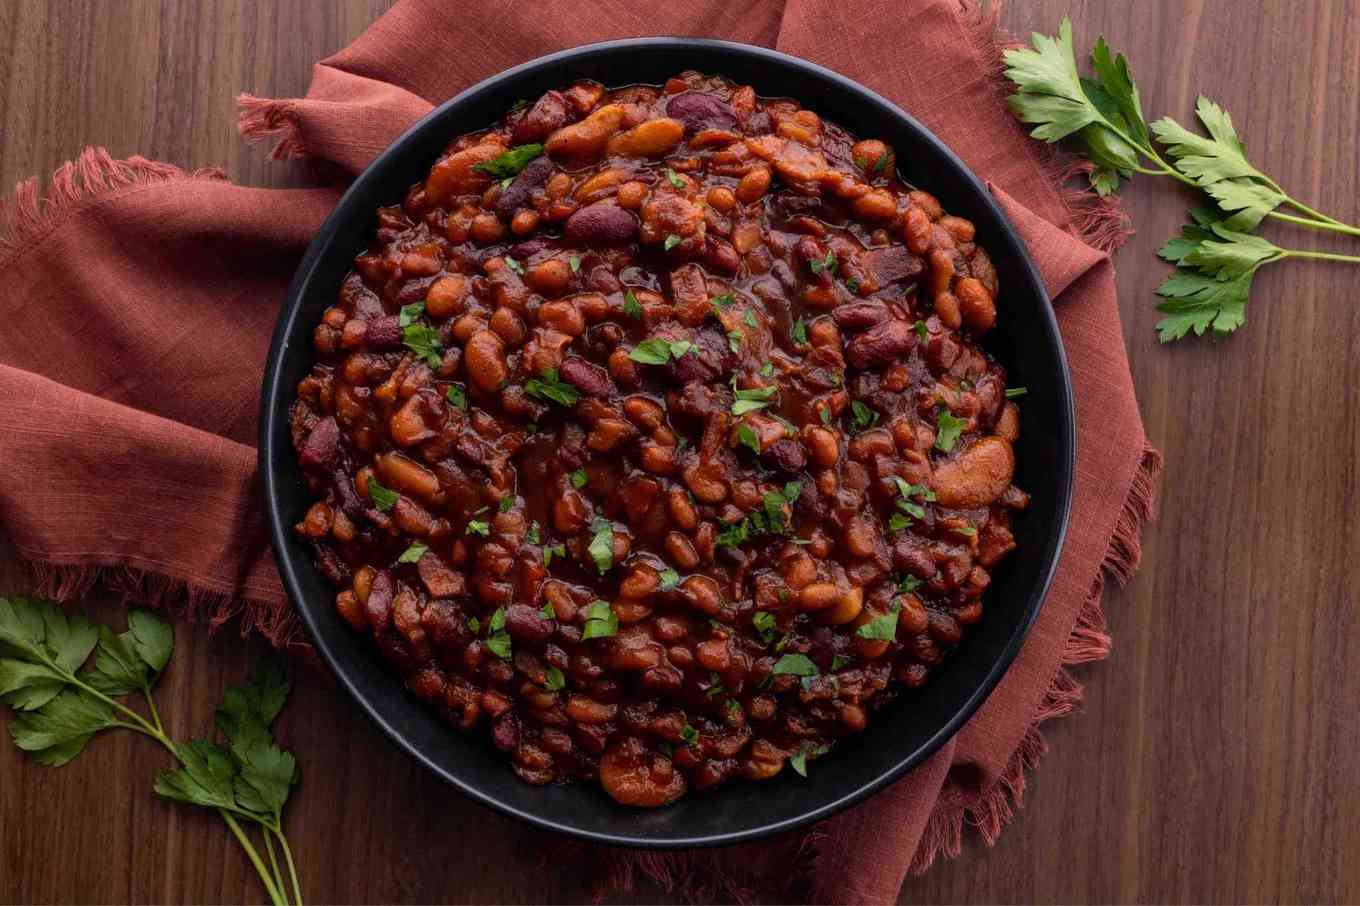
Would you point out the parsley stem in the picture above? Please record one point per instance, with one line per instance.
(1323, 256)
(1334, 226)
(292, 869)
(254, 856)
(273, 862)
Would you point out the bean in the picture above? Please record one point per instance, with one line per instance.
(682, 512)
(524, 222)
(977, 476)
(681, 551)
(848, 605)
(753, 185)
(720, 198)
(822, 446)
(947, 307)
(509, 326)
(487, 228)
(446, 296)
(640, 582)
(1008, 423)
(563, 315)
(818, 596)
(976, 307)
(485, 355)
(631, 195)
(962, 230)
(654, 138)
(927, 203)
(702, 594)
(876, 205)
(916, 231)
(587, 138)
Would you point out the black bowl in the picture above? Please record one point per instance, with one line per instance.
(904, 733)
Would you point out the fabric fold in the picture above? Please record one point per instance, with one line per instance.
(140, 299)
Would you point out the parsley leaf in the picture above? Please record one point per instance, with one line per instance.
(553, 680)
(908, 584)
(409, 313)
(654, 351)
(456, 395)
(862, 417)
(947, 430)
(766, 625)
(553, 550)
(767, 370)
(671, 242)
(796, 664)
(882, 628)
(579, 478)
(734, 338)
(631, 307)
(533, 536)
(1016, 392)
(574, 262)
(689, 735)
(601, 621)
(413, 553)
(921, 330)
(746, 437)
(799, 331)
(383, 498)
(798, 761)
(669, 579)
(423, 340)
(478, 527)
(601, 547)
(548, 387)
(751, 399)
(509, 163)
(674, 178)
(827, 264)
(840, 661)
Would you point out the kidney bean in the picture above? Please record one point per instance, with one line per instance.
(591, 380)
(880, 345)
(601, 223)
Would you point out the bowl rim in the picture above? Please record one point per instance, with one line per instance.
(272, 440)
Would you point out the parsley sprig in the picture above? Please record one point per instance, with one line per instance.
(61, 704)
(1216, 256)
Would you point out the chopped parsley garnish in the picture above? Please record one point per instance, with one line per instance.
(514, 265)
(675, 178)
(413, 553)
(382, 498)
(423, 340)
(897, 522)
(507, 503)
(825, 415)
(840, 661)
(671, 242)
(601, 621)
(553, 550)
(967, 531)
(690, 735)
(908, 491)
(478, 527)
(658, 351)
(734, 338)
(475, 625)
(669, 579)
(795, 665)
(409, 314)
(579, 478)
(547, 611)
(549, 387)
(852, 284)
(881, 628)
(533, 536)
(498, 640)
(769, 520)
(631, 307)
(456, 395)
(746, 437)
(766, 625)
(1016, 392)
(767, 370)
(553, 680)
(799, 331)
(862, 418)
(920, 328)
(720, 302)
(749, 319)
(908, 584)
(715, 686)
(602, 544)
(827, 264)
(798, 761)
(575, 262)
(509, 163)
(948, 430)
(752, 399)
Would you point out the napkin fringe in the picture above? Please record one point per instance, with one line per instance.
(92, 178)
(261, 119)
(73, 581)
(990, 811)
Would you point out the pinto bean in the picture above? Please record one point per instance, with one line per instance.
(485, 356)
(654, 138)
(586, 139)
(977, 476)
(975, 304)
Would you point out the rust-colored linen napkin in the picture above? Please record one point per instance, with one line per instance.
(138, 301)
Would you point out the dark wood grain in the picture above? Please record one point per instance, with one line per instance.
(1218, 754)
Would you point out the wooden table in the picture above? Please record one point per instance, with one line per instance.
(1218, 758)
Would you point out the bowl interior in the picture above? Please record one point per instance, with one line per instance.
(902, 734)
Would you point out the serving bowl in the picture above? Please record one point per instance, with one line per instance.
(901, 735)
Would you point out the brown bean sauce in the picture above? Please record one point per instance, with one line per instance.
(652, 435)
